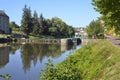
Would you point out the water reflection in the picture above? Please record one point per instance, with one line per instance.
(5, 51)
(4, 56)
(34, 52)
(14, 47)
(24, 60)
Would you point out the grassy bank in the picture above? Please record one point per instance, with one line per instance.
(98, 61)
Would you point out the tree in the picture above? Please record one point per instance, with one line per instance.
(56, 23)
(26, 22)
(110, 11)
(52, 31)
(95, 29)
(35, 23)
(59, 28)
(70, 31)
(42, 24)
(48, 24)
(14, 26)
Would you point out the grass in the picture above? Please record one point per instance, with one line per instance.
(98, 61)
(4, 35)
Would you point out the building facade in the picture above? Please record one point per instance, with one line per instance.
(4, 23)
(80, 32)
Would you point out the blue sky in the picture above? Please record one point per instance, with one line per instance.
(78, 13)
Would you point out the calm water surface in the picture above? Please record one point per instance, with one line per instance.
(24, 62)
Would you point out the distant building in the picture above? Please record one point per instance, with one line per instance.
(4, 22)
(80, 32)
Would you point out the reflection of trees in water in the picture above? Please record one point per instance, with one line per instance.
(33, 52)
(30, 53)
(14, 47)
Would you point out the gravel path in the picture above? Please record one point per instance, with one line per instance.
(114, 41)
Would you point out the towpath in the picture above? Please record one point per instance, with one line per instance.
(115, 41)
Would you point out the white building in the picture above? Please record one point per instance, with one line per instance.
(4, 22)
(80, 32)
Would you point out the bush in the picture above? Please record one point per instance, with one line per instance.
(7, 76)
(14, 40)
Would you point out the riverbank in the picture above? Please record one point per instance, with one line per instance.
(98, 61)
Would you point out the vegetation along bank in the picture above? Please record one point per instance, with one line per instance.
(98, 61)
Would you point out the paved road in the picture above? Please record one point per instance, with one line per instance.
(114, 41)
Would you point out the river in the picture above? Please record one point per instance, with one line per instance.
(25, 61)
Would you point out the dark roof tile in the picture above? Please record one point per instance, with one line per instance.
(2, 13)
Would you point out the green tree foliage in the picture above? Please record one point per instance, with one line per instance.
(95, 29)
(48, 24)
(37, 26)
(26, 22)
(42, 24)
(70, 31)
(35, 23)
(53, 31)
(64, 71)
(60, 28)
(110, 11)
(14, 26)
(6, 77)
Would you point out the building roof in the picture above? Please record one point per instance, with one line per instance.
(2, 13)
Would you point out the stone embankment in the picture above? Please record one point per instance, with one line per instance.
(65, 41)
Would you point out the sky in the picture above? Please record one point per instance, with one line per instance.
(77, 13)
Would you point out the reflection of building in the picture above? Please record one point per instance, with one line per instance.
(63, 48)
(4, 22)
(4, 56)
(63, 45)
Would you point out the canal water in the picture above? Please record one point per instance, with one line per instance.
(25, 61)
